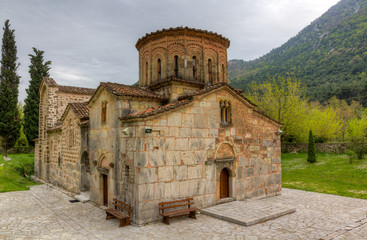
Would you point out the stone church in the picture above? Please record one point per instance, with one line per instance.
(182, 131)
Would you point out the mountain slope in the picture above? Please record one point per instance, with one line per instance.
(329, 56)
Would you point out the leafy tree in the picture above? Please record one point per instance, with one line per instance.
(283, 100)
(356, 133)
(324, 122)
(38, 69)
(9, 82)
(311, 152)
(22, 139)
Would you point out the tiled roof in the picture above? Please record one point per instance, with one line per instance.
(132, 91)
(76, 90)
(80, 109)
(209, 88)
(174, 79)
(156, 110)
(68, 89)
(177, 29)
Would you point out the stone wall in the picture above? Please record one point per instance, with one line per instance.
(65, 154)
(104, 142)
(320, 147)
(65, 98)
(188, 149)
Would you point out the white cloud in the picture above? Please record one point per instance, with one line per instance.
(92, 41)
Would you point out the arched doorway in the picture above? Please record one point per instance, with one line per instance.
(104, 168)
(224, 183)
(84, 173)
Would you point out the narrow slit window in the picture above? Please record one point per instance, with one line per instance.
(210, 71)
(194, 68)
(146, 73)
(104, 112)
(159, 70)
(176, 66)
(223, 72)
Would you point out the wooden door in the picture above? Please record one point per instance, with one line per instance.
(105, 190)
(224, 183)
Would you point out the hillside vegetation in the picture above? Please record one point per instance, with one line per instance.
(329, 56)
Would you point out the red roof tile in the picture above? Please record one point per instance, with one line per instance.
(76, 90)
(80, 109)
(132, 91)
(156, 110)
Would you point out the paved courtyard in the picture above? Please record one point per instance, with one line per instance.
(46, 213)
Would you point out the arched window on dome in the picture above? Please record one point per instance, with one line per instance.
(146, 73)
(176, 66)
(194, 67)
(210, 71)
(159, 69)
(223, 72)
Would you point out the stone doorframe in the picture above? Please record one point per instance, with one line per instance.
(103, 168)
(225, 157)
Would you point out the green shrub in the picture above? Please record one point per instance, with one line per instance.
(24, 167)
(311, 156)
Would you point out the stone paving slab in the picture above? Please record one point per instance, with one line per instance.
(46, 213)
(247, 213)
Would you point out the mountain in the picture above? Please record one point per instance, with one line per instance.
(329, 56)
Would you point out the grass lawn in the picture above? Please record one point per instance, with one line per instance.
(10, 179)
(332, 174)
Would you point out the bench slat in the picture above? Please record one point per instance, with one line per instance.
(121, 206)
(177, 212)
(182, 200)
(122, 203)
(116, 213)
(177, 205)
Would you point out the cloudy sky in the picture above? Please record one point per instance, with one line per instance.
(89, 41)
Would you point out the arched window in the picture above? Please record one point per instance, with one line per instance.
(176, 66)
(210, 70)
(104, 112)
(146, 73)
(194, 67)
(159, 70)
(223, 72)
(225, 112)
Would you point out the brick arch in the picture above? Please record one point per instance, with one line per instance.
(103, 162)
(225, 150)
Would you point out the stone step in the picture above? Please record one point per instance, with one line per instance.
(247, 213)
(82, 198)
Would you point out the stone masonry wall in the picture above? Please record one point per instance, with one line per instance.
(182, 157)
(65, 154)
(106, 142)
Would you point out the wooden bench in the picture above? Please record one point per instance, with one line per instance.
(117, 212)
(178, 211)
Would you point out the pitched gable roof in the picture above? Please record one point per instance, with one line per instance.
(131, 91)
(210, 88)
(67, 89)
(81, 110)
(187, 98)
(76, 90)
(156, 110)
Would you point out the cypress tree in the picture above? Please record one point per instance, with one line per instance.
(9, 83)
(37, 70)
(311, 156)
